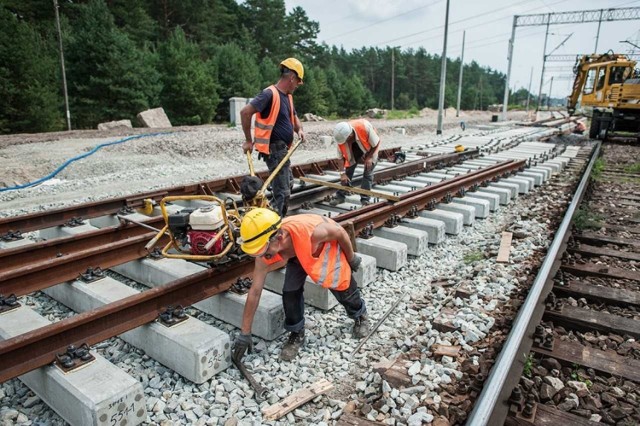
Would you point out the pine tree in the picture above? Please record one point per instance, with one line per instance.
(109, 77)
(189, 94)
(238, 75)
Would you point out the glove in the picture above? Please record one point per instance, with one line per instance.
(344, 179)
(355, 263)
(242, 343)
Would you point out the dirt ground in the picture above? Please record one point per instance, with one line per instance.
(181, 155)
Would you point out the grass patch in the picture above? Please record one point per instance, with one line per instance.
(598, 168)
(528, 365)
(633, 168)
(586, 219)
(473, 256)
(397, 114)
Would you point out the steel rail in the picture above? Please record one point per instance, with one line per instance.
(378, 213)
(47, 219)
(491, 407)
(37, 348)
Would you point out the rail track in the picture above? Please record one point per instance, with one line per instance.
(44, 265)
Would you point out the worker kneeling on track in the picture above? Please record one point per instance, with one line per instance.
(358, 142)
(310, 245)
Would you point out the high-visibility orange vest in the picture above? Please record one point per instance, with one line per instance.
(330, 269)
(264, 125)
(363, 141)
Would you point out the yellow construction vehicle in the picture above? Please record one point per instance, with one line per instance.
(610, 86)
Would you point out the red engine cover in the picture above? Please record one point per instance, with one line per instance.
(199, 239)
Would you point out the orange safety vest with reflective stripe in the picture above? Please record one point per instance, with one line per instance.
(330, 269)
(264, 125)
(360, 128)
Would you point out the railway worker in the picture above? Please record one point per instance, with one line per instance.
(276, 122)
(307, 244)
(358, 142)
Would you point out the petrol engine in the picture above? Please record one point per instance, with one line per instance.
(195, 228)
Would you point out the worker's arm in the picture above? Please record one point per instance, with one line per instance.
(297, 127)
(331, 231)
(245, 119)
(260, 271)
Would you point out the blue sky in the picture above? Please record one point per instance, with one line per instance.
(419, 23)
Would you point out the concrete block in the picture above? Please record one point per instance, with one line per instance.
(97, 394)
(389, 254)
(366, 274)
(530, 181)
(154, 118)
(555, 167)
(228, 307)
(427, 181)
(504, 194)
(435, 175)
(435, 229)
(538, 177)
(523, 184)
(65, 231)
(112, 220)
(468, 212)
(453, 221)
(119, 124)
(396, 190)
(543, 170)
(5, 245)
(194, 349)
(235, 105)
(409, 184)
(480, 206)
(417, 241)
(314, 295)
(512, 187)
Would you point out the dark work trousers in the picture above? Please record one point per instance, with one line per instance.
(367, 182)
(293, 298)
(281, 184)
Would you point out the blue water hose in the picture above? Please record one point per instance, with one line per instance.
(76, 158)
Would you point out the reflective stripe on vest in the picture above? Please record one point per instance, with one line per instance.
(362, 140)
(329, 270)
(264, 126)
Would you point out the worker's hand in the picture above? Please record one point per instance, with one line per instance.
(344, 179)
(355, 262)
(242, 343)
(247, 146)
(368, 164)
(301, 135)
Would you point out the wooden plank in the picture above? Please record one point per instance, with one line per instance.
(551, 416)
(446, 350)
(607, 362)
(594, 238)
(599, 251)
(351, 420)
(588, 319)
(602, 271)
(606, 294)
(379, 194)
(296, 399)
(505, 248)
(630, 229)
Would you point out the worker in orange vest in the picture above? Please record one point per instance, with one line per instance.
(357, 142)
(309, 245)
(276, 122)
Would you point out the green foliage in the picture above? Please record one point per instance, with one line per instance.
(473, 256)
(632, 168)
(110, 78)
(189, 94)
(31, 100)
(397, 114)
(598, 168)
(586, 219)
(528, 365)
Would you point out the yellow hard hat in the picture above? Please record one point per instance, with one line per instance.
(459, 148)
(256, 228)
(294, 65)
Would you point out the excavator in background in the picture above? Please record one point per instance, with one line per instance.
(610, 86)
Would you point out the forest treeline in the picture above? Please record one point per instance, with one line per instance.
(191, 56)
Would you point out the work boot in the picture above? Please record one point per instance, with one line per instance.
(292, 346)
(361, 327)
(336, 200)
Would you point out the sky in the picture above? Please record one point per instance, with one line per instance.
(406, 24)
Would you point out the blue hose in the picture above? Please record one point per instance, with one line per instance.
(76, 158)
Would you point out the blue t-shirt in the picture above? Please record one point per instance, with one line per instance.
(283, 128)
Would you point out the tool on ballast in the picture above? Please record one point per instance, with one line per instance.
(261, 392)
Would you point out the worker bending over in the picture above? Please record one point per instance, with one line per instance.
(307, 244)
(276, 122)
(358, 143)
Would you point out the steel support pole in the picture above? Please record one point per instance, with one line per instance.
(529, 89)
(443, 72)
(505, 101)
(544, 60)
(64, 74)
(595, 49)
(460, 78)
(393, 77)
(549, 96)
